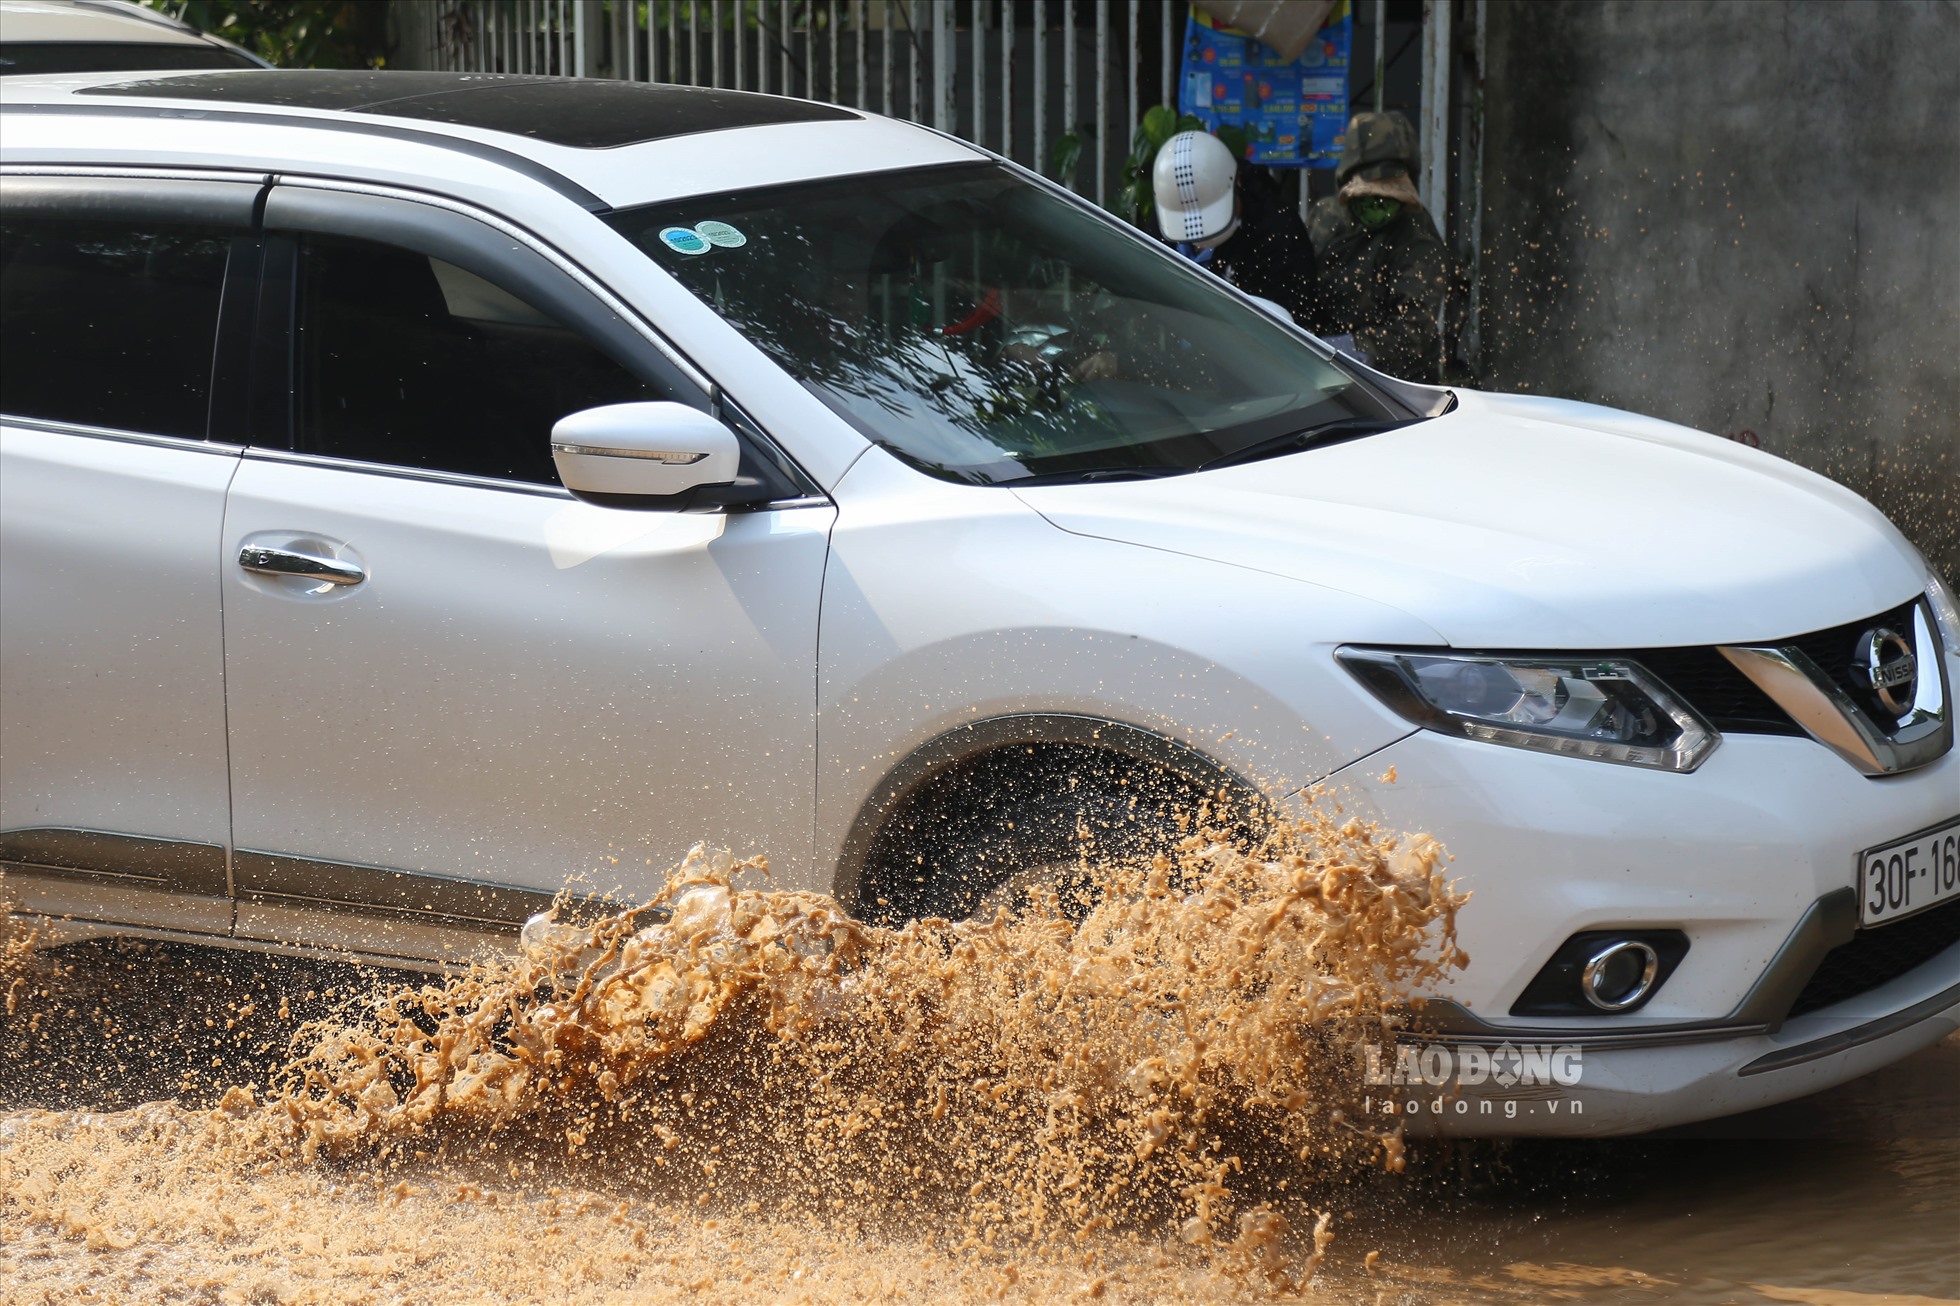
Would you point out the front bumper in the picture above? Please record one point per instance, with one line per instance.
(1753, 856)
(1629, 1087)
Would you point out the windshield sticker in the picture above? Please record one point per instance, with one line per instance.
(720, 233)
(683, 240)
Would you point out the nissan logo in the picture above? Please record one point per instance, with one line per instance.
(1889, 668)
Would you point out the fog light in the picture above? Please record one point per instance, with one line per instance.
(1620, 974)
(1595, 971)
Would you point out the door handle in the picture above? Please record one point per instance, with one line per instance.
(304, 566)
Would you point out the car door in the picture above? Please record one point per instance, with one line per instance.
(480, 687)
(115, 452)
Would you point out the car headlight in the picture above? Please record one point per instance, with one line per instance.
(1604, 709)
(1939, 597)
(1946, 612)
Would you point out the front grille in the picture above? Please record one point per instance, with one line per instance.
(1839, 650)
(1878, 956)
(1731, 702)
(1710, 683)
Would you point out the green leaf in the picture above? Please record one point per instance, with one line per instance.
(1234, 139)
(1063, 155)
(1160, 123)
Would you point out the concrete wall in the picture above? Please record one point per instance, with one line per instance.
(1741, 215)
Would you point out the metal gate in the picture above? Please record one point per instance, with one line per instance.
(1016, 76)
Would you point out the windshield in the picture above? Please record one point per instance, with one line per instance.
(989, 331)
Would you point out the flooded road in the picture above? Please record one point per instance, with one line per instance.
(740, 1104)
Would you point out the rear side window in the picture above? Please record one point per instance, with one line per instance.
(107, 324)
(409, 361)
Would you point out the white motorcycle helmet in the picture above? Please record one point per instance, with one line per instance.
(1194, 180)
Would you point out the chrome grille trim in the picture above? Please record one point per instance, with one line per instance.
(1827, 714)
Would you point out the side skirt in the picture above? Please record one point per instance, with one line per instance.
(96, 883)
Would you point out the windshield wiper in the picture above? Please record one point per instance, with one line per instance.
(1342, 428)
(1098, 474)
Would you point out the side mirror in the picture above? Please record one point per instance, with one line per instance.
(646, 455)
(1273, 308)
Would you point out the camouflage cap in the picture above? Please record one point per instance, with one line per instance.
(1377, 145)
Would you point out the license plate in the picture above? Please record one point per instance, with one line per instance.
(1909, 876)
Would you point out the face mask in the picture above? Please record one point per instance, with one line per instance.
(1374, 212)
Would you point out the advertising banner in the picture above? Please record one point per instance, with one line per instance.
(1292, 112)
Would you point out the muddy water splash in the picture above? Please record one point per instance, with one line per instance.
(1030, 1077)
(16, 937)
(1016, 1098)
(20, 964)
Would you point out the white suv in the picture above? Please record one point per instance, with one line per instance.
(421, 487)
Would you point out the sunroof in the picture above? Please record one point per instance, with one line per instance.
(583, 112)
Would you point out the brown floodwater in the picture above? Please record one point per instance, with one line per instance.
(734, 1094)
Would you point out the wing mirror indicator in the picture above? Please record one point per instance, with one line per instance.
(644, 455)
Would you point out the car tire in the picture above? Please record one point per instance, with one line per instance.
(975, 839)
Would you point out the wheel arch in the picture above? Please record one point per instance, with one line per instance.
(916, 773)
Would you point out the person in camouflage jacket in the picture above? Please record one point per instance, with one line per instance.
(1383, 268)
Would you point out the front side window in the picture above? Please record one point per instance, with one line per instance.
(412, 362)
(109, 324)
(988, 331)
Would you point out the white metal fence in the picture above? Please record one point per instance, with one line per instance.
(1015, 76)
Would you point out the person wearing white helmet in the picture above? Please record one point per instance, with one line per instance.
(1232, 221)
